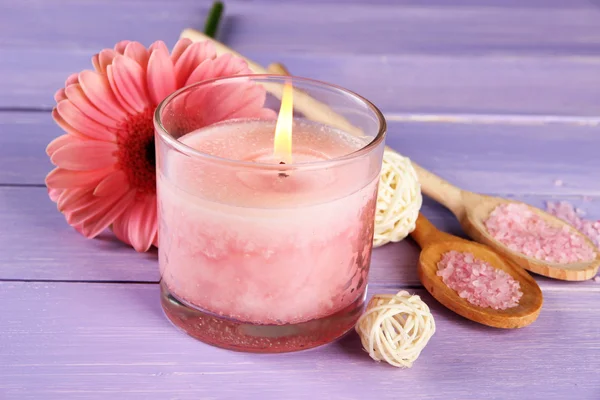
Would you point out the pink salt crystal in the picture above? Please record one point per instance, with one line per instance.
(573, 216)
(521, 229)
(478, 282)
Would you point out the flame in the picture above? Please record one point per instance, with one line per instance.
(282, 145)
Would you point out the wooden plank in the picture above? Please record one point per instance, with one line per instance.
(490, 84)
(24, 137)
(493, 84)
(507, 4)
(93, 341)
(503, 158)
(477, 156)
(428, 28)
(39, 245)
(491, 58)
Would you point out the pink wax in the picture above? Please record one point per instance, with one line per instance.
(266, 244)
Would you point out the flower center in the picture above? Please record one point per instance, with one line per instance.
(136, 151)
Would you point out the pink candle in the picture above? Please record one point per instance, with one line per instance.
(263, 256)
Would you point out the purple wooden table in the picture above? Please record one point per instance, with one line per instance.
(504, 94)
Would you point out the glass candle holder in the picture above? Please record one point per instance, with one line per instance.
(258, 253)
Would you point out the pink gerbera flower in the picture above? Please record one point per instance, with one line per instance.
(105, 173)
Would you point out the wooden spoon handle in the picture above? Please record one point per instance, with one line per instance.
(278, 68)
(426, 233)
(440, 190)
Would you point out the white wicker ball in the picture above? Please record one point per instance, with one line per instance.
(399, 199)
(396, 328)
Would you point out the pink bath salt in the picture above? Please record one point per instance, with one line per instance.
(478, 282)
(573, 216)
(522, 230)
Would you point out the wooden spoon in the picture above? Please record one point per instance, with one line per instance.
(473, 209)
(435, 243)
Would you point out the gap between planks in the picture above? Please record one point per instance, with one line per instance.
(504, 119)
(567, 287)
(547, 195)
(456, 118)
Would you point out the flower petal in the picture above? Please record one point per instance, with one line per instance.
(78, 228)
(202, 72)
(161, 76)
(82, 123)
(55, 194)
(267, 113)
(96, 63)
(121, 46)
(130, 80)
(118, 95)
(96, 208)
(60, 178)
(105, 58)
(95, 225)
(86, 155)
(72, 199)
(154, 234)
(114, 183)
(159, 44)
(79, 99)
(179, 48)
(213, 98)
(225, 65)
(250, 103)
(65, 126)
(228, 64)
(71, 79)
(191, 57)
(142, 224)
(243, 100)
(98, 91)
(60, 142)
(120, 226)
(137, 52)
(86, 211)
(60, 95)
(155, 240)
(153, 222)
(222, 104)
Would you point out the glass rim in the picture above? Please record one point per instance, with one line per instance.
(191, 152)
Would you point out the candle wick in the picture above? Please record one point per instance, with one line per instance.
(283, 174)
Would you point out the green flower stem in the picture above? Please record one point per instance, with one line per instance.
(213, 19)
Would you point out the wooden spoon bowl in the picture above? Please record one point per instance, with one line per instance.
(473, 225)
(435, 243)
(472, 209)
